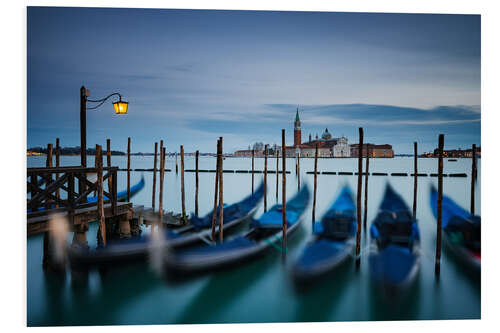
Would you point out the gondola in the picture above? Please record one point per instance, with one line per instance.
(394, 257)
(333, 241)
(264, 233)
(122, 195)
(197, 230)
(461, 231)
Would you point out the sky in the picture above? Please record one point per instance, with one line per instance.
(191, 76)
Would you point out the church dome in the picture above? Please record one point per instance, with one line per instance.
(326, 135)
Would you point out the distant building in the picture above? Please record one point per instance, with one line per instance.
(327, 145)
(243, 153)
(455, 153)
(378, 151)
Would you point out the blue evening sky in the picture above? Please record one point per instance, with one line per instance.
(191, 76)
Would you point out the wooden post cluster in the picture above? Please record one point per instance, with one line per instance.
(315, 185)
(183, 194)
(283, 194)
(221, 192)
(366, 186)
(101, 238)
(473, 181)
(253, 167)
(358, 210)
(128, 170)
(197, 184)
(439, 205)
(154, 176)
(415, 177)
(265, 178)
(216, 191)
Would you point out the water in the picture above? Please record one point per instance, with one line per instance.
(262, 290)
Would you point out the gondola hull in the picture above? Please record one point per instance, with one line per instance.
(241, 248)
(394, 257)
(326, 251)
(454, 218)
(140, 247)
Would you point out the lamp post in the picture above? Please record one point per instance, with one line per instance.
(119, 106)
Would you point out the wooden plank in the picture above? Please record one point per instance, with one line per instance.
(62, 169)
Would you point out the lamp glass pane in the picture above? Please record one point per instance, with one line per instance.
(120, 107)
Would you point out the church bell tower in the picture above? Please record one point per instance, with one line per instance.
(296, 130)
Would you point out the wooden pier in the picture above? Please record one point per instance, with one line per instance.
(43, 204)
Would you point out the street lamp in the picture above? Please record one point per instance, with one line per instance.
(119, 106)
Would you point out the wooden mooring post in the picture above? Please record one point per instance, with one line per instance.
(216, 191)
(277, 153)
(298, 169)
(183, 194)
(437, 267)
(58, 153)
(108, 163)
(366, 186)
(315, 185)
(253, 167)
(153, 199)
(176, 165)
(160, 196)
(128, 170)
(473, 181)
(415, 177)
(46, 235)
(197, 184)
(360, 184)
(221, 192)
(265, 178)
(283, 194)
(101, 234)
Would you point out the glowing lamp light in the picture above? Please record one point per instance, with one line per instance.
(120, 107)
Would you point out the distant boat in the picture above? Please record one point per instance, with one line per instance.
(264, 234)
(333, 241)
(394, 258)
(452, 160)
(461, 231)
(126, 250)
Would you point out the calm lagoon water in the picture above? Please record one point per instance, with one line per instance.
(262, 290)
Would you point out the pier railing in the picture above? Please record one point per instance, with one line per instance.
(53, 189)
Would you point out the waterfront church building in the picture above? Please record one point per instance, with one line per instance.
(328, 146)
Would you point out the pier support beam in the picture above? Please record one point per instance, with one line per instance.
(124, 226)
(80, 236)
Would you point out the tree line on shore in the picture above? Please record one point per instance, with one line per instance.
(71, 151)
